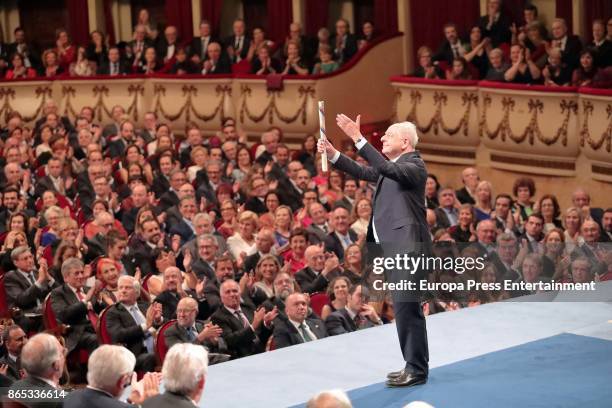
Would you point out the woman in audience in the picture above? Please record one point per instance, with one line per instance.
(65, 250)
(497, 66)
(294, 257)
(228, 224)
(487, 275)
(66, 52)
(484, 197)
(368, 33)
(82, 67)
(264, 64)
(459, 70)
(463, 231)
(555, 257)
(19, 70)
(259, 40)
(524, 190)
(282, 227)
(51, 67)
(586, 72)
(337, 291)
(536, 43)
(243, 164)
(572, 220)
(108, 273)
(149, 64)
(353, 263)
(556, 72)
(362, 211)
(133, 154)
(183, 65)
(96, 49)
(307, 155)
(548, 206)
(523, 70)
(426, 68)
(431, 191)
(145, 20)
(332, 191)
(242, 243)
(327, 64)
(272, 202)
(294, 65)
(52, 215)
(14, 239)
(476, 52)
(265, 272)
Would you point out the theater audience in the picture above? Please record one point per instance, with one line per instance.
(19, 70)
(522, 69)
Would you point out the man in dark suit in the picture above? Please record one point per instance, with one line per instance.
(184, 373)
(342, 236)
(264, 241)
(495, 24)
(31, 55)
(133, 323)
(258, 189)
(245, 330)
(581, 199)
(199, 45)
(398, 216)
(14, 339)
(355, 316)
(452, 47)
(297, 327)
(217, 62)
(470, 179)
(140, 43)
(184, 226)
(344, 43)
(289, 191)
(319, 228)
(114, 66)
(106, 386)
(75, 304)
(170, 297)
(569, 44)
(237, 45)
(318, 272)
(601, 44)
(447, 215)
(116, 148)
(168, 44)
(54, 181)
(43, 374)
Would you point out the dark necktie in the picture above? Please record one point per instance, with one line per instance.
(191, 335)
(242, 318)
(305, 334)
(31, 278)
(359, 320)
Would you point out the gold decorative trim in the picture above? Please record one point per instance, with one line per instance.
(532, 130)
(271, 109)
(585, 134)
(547, 164)
(8, 94)
(606, 171)
(188, 108)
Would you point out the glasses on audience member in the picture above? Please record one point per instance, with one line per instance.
(184, 311)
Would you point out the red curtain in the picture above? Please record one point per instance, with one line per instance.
(385, 16)
(565, 11)
(178, 13)
(593, 10)
(316, 15)
(78, 17)
(211, 11)
(280, 15)
(428, 22)
(109, 24)
(514, 9)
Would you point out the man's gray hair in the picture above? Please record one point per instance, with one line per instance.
(39, 354)
(184, 366)
(201, 216)
(132, 280)
(407, 130)
(324, 398)
(17, 252)
(70, 264)
(207, 237)
(506, 237)
(107, 364)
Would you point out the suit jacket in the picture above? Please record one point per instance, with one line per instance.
(116, 148)
(246, 43)
(22, 294)
(34, 383)
(167, 200)
(400, 182)
(46, 184)
(256, 205)
(288, 194)
(332, 243)
(285, 334)
(161, 184)
(162, 48)
(500, 30)
(203, 269)
(105, 68)
(464, 197)
(13, 368)
(604, 53)
(350, 48)
(70, 310)
(223, 66)
(196, 48)
(339, 322)
(168, 399)
(88, 397)
(571, 54)
(311, 282)
(241, 341)
(445, 52)
(169, 301)
(176, 334)
(183, 230)
(316, 235)
(442, 219)
(124, 330)
(143, 256)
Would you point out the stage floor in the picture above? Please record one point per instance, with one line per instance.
(504, 354)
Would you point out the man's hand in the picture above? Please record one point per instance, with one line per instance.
(270, 316)
(369, 312)
(350, 127)
(326, 146)
(210, 332)
(331, 263)
(258, 317)
(145, 388)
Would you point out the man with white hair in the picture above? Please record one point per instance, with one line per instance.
(43, 359)
(398, 216)
(184, 373)
(109, 371)
(330, 399)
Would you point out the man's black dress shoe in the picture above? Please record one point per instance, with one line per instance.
(394, 374)
(406, 379)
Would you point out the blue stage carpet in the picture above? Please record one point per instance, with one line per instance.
(565, 370)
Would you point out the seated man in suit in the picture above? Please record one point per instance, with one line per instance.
(188, 330)
(342, 236)
(319, 271)
(217, 61)
(452, 47)
(114, 66)
(117, 147)
(245, 330)
(14, 339)
(297, 328)
(582, 200)
(184, 227)
(134, 324)
(27, 288)
(318, 230)
(174, 292)
(110, 370)
(43, 374)
(470, 179)
(284, 285)
(264, 241)
(355, 316)
(184, 373)
(76, 305)
(204, 265)
(447, 214)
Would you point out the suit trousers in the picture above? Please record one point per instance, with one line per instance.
(412, 333)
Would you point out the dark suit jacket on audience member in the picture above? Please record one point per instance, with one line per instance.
(34, 383)
(90, 398)
(311, 282)
(285, 334)
(339, 322)
(333, 244)
(22, 294)
(168, 399)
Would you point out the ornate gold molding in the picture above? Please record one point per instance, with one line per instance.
(188, 108)
(532, 131)
(8, 94)
(585, 134)
(271, 109)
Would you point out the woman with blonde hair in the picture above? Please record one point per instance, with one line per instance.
(572, 220)
(242, 243)
(484, 197)
(108, 271)
(362, 211)
(283, 217)
(265, 272)
(337, 291)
